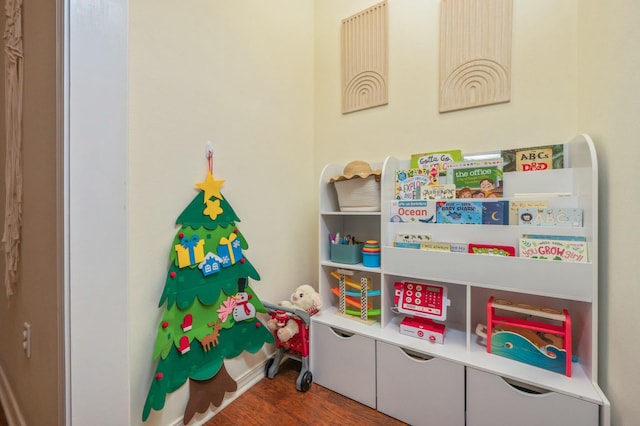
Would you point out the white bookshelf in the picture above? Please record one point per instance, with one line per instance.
(471, 280)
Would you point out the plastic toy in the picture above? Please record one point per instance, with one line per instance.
(424, 302)
(297, 347)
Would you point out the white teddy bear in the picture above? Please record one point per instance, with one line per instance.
(304, 298)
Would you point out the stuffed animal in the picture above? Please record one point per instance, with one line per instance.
(304, 298)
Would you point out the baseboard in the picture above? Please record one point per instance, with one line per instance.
(245, 382)
(9, 403)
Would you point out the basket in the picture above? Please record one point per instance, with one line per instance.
(358, 194)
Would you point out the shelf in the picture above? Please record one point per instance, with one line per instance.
(550, 278)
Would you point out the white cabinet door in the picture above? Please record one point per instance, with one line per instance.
(344, 362)
(492, 401)
(419, 391)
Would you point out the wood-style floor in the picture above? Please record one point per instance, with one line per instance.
(277, 402)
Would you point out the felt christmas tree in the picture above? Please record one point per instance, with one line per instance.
(210, 310)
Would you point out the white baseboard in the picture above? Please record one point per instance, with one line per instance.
(9, 403)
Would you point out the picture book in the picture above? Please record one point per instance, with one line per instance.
(563, 217)
(424, 160)
(555, 237)
(409, 181)
(553, 249)
(534, 158)
(459, 212)
(477, 178)
(412, 238)
(495, 212)
(492, 249)
(444, 246)
(437, 192)
(436, 164)
(516, 205)
(412, 211)
(403, 244)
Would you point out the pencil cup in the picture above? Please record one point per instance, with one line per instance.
(346, 253)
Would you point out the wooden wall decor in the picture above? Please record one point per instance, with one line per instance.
(475, 53)
(365, 46)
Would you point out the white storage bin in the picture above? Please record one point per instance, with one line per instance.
(359, 194)
(491, 400)
(344, 363)
(419, 391)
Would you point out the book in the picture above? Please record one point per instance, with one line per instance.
(492, 249)
(412, 211)
(437, 192)
(477, 178)
(534, 158)
(553, 249)
(459, 212)
(412, 238)
(495, 212)
(403, 244)
(444, 246)
(516, 205)
(555, 237)
(436, 163)
(563, 217)
(408, 182)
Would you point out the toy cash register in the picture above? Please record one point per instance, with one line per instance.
(425, 303)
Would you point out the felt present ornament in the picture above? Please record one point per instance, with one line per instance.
(230, 250)
(190, 251)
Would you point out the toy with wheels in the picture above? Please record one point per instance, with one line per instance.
(297, 347)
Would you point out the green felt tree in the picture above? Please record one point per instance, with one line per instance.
(210, 310)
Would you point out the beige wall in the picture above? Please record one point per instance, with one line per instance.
(240, 74)
(609, 106)
(34, 381)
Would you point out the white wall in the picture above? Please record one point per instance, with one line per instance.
(240, 74)
(609, 104)
(543, 93)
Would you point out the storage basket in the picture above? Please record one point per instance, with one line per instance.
(358, 194)
(346, 253)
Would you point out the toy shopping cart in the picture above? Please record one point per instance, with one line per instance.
(296, 348)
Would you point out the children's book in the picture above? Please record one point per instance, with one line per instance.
(534, 158)
(477, 178)
(555, 237)
(459, 212)
(437, 192)
(412, 238)
(436, 164)
(495, 212)
(516, 205)
(409, 182)
(553, 249)
(444, 246)
(563, 217)
(492, 249)
(413, 211)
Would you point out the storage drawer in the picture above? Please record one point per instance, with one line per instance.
(491, 400)
(419, 391)
(344, 362)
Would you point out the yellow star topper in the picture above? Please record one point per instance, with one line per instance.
(213, 209)
(211, 187)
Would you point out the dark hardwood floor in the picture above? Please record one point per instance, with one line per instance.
(277, 402)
